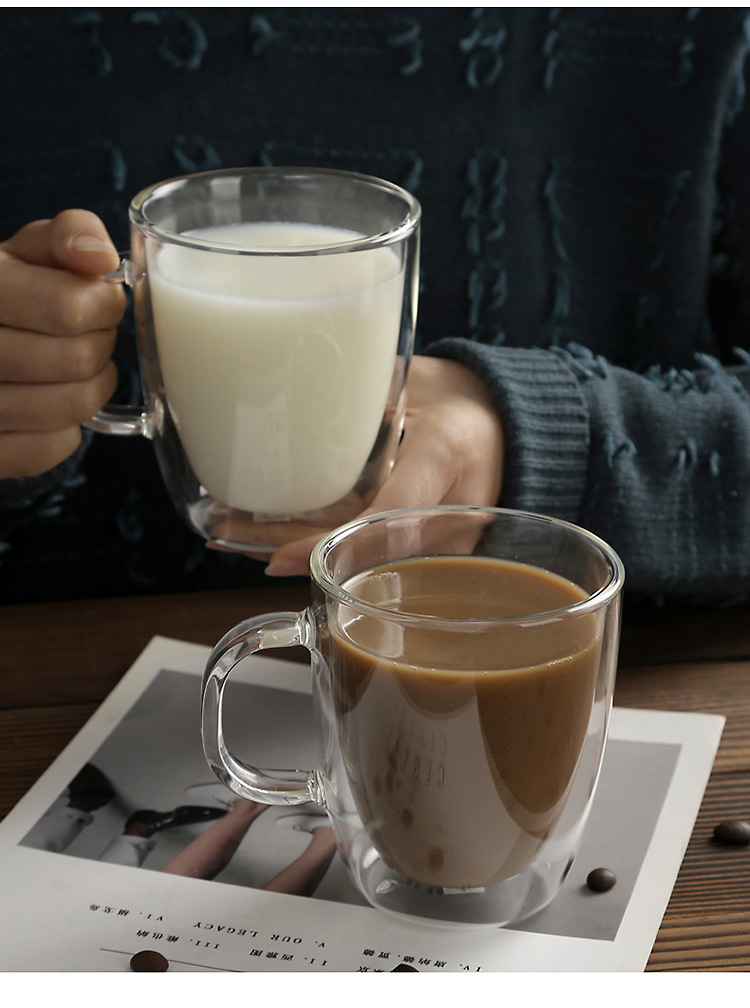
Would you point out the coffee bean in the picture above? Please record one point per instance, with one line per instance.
(600, 879)
(733, 831)
(149, 961)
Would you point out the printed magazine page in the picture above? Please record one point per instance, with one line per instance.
(127, 843)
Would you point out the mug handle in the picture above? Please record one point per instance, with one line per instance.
(259, 633)
(113, 418)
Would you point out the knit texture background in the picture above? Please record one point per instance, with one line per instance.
(581, 176)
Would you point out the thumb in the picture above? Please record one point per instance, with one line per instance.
(79, 241)
(74, 240)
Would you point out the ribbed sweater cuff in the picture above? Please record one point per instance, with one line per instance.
(546, 422)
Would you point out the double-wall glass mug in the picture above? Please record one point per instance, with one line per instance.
(275, 310)
(463, 665)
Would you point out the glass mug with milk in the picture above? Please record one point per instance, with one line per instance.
(463, 665)
(276, 311)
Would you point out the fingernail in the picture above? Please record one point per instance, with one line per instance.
(90, 243)
(283, 568)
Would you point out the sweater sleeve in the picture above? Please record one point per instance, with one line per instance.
(658, 464)
(18, 495)
(546, 423)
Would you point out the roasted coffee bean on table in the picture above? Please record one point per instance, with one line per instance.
(149, 961)
(733, 831)
(600, 879)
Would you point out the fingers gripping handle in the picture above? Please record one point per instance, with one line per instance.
(273, 787)
(113, 418)
(125, 272)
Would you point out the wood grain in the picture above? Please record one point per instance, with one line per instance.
(706, 942)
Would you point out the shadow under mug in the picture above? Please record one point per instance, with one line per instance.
(463, 666)
(275, 310)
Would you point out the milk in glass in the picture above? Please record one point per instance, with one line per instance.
(276, 368)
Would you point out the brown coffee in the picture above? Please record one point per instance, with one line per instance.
(461, 740)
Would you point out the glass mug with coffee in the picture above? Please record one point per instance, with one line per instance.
(463, 664)
(275, 310)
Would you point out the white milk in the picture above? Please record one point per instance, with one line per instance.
(277, 369)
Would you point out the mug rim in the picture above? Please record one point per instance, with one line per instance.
(404, 229)
(594, 601)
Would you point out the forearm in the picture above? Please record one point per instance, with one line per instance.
(668, 481)
(660, 467)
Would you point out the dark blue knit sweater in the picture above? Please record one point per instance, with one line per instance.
(585, 182)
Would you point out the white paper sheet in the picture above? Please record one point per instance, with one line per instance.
(72, 911)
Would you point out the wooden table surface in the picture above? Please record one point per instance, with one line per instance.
(60, 660)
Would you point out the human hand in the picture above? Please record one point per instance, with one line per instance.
(452, 451)
(57, 334)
